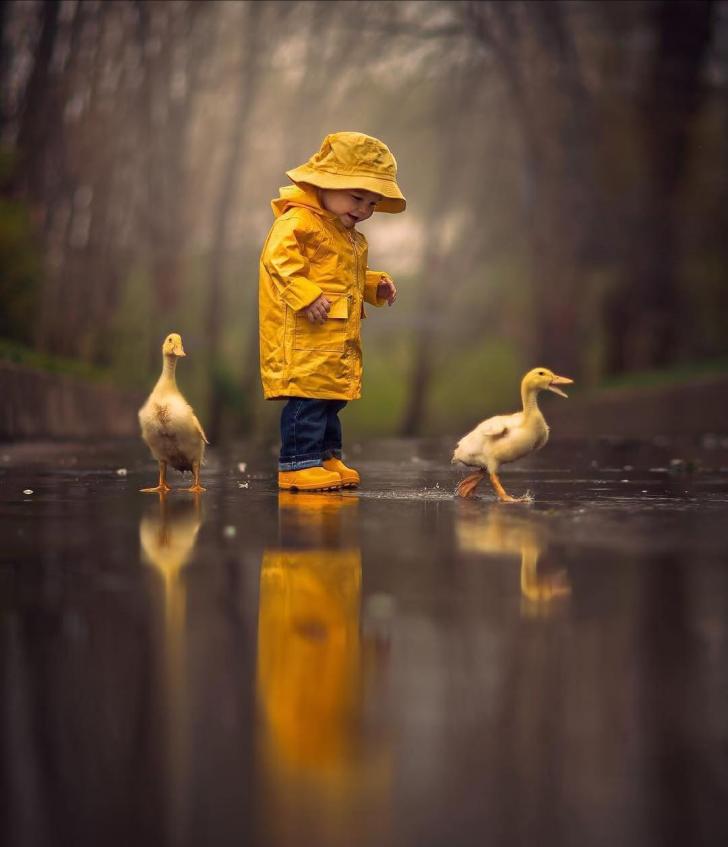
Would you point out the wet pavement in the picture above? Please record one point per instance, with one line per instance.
(388, 666)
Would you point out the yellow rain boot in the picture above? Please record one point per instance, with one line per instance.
(309, 479)
(349, 477)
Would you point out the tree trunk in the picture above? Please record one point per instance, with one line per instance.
(4, 67)
(34, 122)
(228, 187)
(643, 315)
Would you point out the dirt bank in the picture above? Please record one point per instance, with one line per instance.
(696, 408)
(37, 404)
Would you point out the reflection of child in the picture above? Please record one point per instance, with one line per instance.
(313, 283)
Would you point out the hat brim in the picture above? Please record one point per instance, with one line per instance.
(392, 201)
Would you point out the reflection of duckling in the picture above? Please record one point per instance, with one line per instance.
(169, 426)
(168, 533)
(505, 438)
(495, 533)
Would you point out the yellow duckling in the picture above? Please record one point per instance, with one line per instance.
(505, 438)
(169, 426)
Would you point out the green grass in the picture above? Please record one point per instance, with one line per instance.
(379, 411)
(473, 383)
(11, 351)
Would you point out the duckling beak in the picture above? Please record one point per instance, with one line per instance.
(179, 350)
(559, 380)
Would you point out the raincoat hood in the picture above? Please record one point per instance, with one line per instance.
(301, 196)
(354, 160)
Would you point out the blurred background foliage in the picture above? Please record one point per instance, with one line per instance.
(565, 163)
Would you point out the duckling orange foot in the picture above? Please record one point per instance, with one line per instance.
(158, 489)
(467, 486)
(195, 488)
(503, 495)
(161, 487)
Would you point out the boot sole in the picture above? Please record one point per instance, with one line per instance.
(309, 487)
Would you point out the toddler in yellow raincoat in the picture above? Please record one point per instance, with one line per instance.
(314, 281)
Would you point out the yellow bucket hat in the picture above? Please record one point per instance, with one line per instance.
(354, 160)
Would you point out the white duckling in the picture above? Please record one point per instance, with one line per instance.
(169, 426)
(505, 438)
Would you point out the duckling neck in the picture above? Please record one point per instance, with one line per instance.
(169, 366)
(530, 402)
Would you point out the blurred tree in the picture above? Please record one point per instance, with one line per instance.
(643, 313)
(531, 46)
(19, 262)
(5, 50)
(440, 283)
(39, 109)
(252, 47)
(174, 41)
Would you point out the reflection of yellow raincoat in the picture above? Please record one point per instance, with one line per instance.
(308, 653)
(309, 252)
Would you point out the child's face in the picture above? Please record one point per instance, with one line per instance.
(350, 205)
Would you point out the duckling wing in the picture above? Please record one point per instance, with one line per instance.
(495, 427)
(473, 448)
(198, 427)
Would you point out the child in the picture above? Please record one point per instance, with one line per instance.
(313, 283)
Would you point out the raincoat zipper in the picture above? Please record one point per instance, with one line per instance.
(356, 269)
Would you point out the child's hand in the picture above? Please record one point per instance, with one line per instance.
(387, 290)
(318, 311)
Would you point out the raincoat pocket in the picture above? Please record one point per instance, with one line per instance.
(330, 335)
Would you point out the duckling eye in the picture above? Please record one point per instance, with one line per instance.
(541, 373)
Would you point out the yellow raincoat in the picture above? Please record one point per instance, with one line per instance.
(309, 252)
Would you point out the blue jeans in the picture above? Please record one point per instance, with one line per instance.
(310, 432)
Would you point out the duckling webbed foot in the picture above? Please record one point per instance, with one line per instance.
(503, 495)
(161, 487)
(467, 486)
(196, 488)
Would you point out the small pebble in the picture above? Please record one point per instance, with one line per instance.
(27, 491)
(229, 532)
(242, 485)
(242, 466)
(121, 471)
